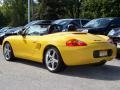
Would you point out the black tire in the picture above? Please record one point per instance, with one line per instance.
(8, 55)
(100, 63)
(118, 53)
(48, 60)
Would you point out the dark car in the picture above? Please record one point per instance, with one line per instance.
(101, 25)
(9, 32)
(114, 34)
(4, 29)
(64, 24)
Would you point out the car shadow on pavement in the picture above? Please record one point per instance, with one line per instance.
(106, 72)
(30, 63)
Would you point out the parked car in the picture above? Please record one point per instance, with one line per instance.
(59, 49)
(14, 31)
(114, 34)
(64, 24)
(101, 25)
(4, 29)
(9, 32)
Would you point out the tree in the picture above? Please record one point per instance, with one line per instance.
(100, 8)
(51, 9)
(15, 10)
(73, 8)
(2, 19)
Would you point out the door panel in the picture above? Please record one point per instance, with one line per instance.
(25, 46)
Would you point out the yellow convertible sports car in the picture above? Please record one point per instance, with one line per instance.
(60, 49)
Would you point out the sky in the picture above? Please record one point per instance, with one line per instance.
(1, 1)
(36, 1)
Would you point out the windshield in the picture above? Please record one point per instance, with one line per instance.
(98, 23)
(37, 30)
(114, 32)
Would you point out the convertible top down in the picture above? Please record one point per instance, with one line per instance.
(59, 49)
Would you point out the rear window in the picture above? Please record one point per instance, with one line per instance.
(98, 23)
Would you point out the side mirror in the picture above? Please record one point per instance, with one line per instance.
(21, 33)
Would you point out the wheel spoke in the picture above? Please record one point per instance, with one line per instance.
(55, 60)
(49, 55)
(48, 62)
(53, 55)
(53, 65)
(5, 50)
(5, 53)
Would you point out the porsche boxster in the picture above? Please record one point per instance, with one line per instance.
(58, 50)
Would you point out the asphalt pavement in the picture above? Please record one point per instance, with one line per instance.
(27, 75)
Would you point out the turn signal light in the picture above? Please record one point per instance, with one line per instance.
(75, 42)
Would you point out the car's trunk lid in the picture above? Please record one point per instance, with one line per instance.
(88, 38)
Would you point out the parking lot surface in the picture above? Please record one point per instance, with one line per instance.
(27, 75)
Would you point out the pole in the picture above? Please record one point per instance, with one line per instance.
(32, 8)
(78, 8)
(28, 11)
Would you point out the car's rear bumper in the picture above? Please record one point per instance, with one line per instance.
(85, 55)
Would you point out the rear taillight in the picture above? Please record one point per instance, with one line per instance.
(74, 42)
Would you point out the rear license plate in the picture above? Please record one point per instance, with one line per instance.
(103, 53)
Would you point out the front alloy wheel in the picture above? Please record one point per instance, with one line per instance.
(7, 52)
(53, 60)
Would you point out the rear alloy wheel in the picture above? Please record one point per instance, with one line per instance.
(7, 52)
(53, 60)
